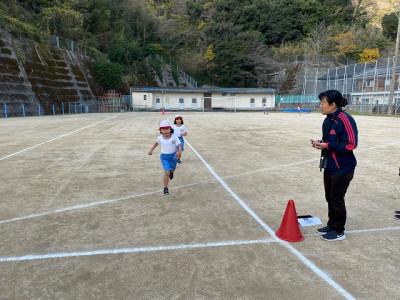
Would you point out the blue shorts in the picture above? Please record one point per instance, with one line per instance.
(182, 143)
(169, 161)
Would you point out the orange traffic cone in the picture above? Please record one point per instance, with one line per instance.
(290, 230)
(163, 112)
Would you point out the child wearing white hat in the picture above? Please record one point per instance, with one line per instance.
(180, 131)
(170, 151)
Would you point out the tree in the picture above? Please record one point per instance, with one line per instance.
(319, 39)
(124, 52)
(61, 20)
(345, 45)
(209, 55)
(108, 74)
(233, 65)
(369, 55)
(389, 26)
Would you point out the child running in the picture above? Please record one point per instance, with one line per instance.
(180, 131)
(265, 109)
(170, 151)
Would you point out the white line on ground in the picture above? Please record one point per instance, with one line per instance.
(90, 204)
(163, 248)
(56, 138)
(297, 253)
(362, 230)
(132, 250)
(177, 187)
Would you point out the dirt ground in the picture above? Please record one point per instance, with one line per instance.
(82, 214)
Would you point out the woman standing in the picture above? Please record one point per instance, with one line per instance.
(339, 139)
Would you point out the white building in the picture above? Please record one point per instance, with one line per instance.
(203, 99)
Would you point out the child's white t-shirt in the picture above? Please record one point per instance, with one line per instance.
(168, 146)
(178, 130)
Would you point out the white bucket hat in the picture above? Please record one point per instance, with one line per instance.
(165, 124)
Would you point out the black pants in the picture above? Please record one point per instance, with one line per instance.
(335, 190)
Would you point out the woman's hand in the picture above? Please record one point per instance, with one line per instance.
(318, 144)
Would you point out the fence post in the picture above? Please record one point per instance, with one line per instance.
(39, 109)
(23, 110)
(53, 110)
(58, 42)
(5, 110)
(75, 107)
(62, 107)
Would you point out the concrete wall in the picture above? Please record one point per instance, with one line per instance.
(33, 74)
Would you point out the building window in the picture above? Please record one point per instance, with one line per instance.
(194, 100)
(264, 100)
(370, 83)
(252, 101)
(157, 100)
(181, 101)
(144, 97)
(223, 94)
(365, 101)
(387, 82)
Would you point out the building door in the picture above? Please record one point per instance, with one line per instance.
(181, 103)
(158, 105)
(166, 104)
(207, 101)
(194, 103)
(252, 103)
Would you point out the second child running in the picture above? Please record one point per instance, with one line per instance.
(180, 131)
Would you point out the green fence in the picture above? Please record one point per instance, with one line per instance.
(298, 99)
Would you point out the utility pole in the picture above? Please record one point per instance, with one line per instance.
(396, 54)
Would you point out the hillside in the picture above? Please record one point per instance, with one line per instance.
(227, 43)
(376, 9)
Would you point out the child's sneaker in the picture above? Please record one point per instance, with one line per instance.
(166, 191)
(171, 174)
(333, 235)
(397, 217)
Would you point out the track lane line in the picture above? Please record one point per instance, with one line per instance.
(54, 139)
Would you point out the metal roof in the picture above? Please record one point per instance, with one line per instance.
(203, 90)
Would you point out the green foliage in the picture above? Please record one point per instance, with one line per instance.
(124, 52)
(389, 26)
(21, 57)
(108, 74)
(61, 20)
(233, 66)
(21, 29)
(156, 65)
(98, 16)
(127, 31)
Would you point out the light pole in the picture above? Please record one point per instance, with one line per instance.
(396, 54)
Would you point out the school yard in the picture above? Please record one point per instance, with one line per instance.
(82, 214)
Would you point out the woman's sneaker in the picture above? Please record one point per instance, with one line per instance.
(333, 235)
(166, 191)
(324, 230)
